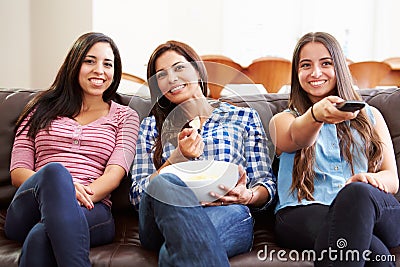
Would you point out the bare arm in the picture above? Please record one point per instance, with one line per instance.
(106, 183)
(386, 178)
(290, 133)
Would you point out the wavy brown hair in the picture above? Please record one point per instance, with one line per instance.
(304, 161)
(161, 105)
(64, 97)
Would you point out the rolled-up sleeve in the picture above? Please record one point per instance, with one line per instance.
(143, 166)
(259, 170)
(23, 151)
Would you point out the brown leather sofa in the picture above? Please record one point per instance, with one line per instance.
(126, 249)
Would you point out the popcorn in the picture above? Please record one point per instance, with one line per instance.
(195, 124)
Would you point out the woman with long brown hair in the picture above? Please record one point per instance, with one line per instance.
(337, 172)
(73, 146)
(171, 219)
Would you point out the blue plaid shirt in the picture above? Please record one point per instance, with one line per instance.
(231, 134)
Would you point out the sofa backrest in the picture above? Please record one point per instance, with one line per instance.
(12, 101)
(11, 104)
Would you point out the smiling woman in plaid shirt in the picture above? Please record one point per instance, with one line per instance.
(189, 233)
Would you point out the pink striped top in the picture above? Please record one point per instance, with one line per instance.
(85, 150)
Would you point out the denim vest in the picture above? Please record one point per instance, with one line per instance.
(331, 169)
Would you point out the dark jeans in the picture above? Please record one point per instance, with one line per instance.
(186, 234)
(361, 219)
(55, 231)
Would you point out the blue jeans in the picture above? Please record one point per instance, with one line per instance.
(55, 231)
(172, 222)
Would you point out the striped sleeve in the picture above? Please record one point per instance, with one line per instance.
(127, 132)
(23, 151)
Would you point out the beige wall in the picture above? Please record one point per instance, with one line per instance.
(15, 43)
(37, 34)
(35, 37)
(54, 27)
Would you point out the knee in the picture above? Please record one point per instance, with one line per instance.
(168, 179)
(53, 168)
(358, 191)
(169, 188)
(54, 175)
(56, 172)
(241, 212)
(165, 181)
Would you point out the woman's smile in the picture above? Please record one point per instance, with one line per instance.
(177, 88)
(317, 84)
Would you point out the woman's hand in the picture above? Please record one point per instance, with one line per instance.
(238, 195)
(325, 111)
(369, 179)
(190, 143)
(83, 194)
(190, 146)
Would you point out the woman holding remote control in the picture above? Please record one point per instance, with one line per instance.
(337, 172)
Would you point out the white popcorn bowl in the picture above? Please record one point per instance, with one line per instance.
(205, 176)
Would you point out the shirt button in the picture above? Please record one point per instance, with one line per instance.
(76, 142)
(336, 168)
(340, 186)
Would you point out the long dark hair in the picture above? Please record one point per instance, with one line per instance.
(161, 105)
(303, 169)
(64, 97)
